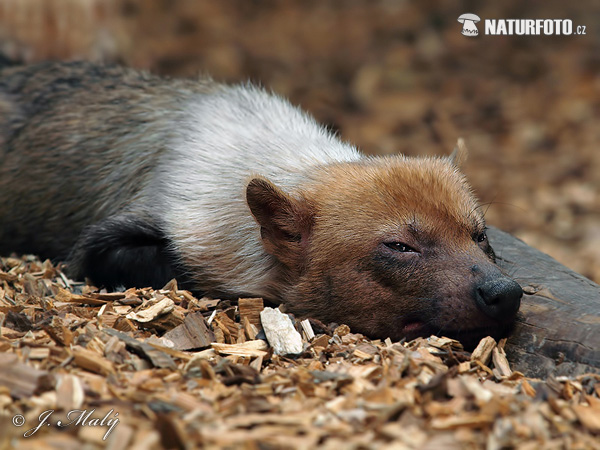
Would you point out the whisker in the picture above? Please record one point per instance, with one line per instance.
(494, 202)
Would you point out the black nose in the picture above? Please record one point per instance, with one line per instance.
(499, 297)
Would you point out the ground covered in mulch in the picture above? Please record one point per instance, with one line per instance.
(151, 369)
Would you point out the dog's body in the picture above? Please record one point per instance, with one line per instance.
(137, 179)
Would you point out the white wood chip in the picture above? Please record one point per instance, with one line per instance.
(484, 349)
(501, 366)
(280, 332)
(307, 327)
(70, 392)
(212, 316)
(473, 385)
(166, 305)
(248, 348)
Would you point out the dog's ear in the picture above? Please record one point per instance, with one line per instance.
(285, 221)
(460, 154)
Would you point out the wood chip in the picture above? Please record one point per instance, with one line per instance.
(527, 388)
(344, 390)
(164, 306)
(156, 356)
(308, 330)
(39, 353)
(66, 296)
(193, 333)
(249, 348)
(589, 416)
(250, 330)
(251, 308)
(342, 330)
(229, 328)
(501, 366)
(466, 420)
(483, 351)
(320, 341)
(22, 380)
(92, 361)
(475, 388)
(280, 332)
(70, 394)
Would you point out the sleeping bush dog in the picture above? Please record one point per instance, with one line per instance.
(135, 179)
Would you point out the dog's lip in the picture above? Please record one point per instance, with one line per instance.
(413, 326)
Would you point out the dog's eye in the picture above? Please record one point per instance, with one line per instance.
(482, 237)
(400, 247)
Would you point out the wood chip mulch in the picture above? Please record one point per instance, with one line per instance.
(152, 369)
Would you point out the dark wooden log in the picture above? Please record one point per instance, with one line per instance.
(558, 329)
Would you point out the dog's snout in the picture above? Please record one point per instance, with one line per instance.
(498, 297)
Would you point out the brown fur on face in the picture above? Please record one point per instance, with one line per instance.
(349, 272)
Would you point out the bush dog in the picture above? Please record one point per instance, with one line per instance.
(135, 179)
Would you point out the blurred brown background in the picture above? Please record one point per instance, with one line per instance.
(390, 76)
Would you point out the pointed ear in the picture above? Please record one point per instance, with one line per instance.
(460, 153)
(285, 222)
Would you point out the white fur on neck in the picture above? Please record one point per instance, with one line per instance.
(223, 139)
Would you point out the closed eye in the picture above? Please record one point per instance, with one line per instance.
(400, 247)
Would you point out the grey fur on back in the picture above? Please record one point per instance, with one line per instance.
(81, 143)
